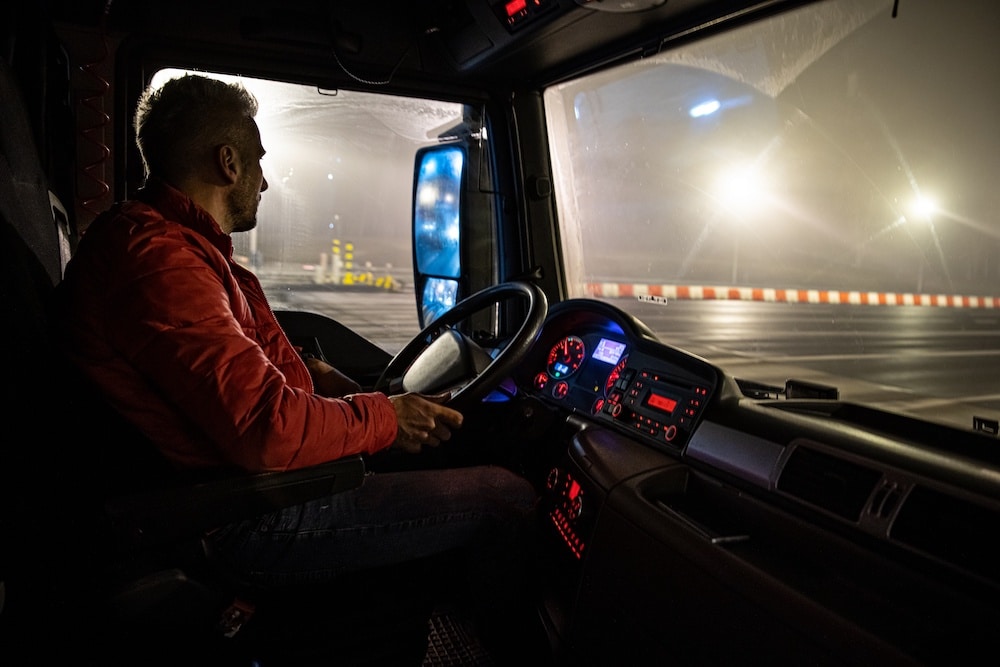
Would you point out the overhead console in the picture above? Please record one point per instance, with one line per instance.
(516, 14)
(492, 28)
(553, 35)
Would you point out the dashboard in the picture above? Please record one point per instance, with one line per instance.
(678, 505)
(594, 360)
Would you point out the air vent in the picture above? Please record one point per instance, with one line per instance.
(828, 482)
(885, 500)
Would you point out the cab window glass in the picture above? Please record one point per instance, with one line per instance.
(334, 226)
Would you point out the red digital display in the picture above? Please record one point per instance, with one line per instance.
(515, 7)
(661, 402)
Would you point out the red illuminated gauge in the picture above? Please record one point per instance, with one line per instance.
(541, 380)
(615, 373)
(565, 357)
(560, 389)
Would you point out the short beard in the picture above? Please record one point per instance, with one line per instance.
(241, 204)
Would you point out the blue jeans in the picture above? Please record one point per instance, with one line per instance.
(391, 518)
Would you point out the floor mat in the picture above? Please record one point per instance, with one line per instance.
(452, 642)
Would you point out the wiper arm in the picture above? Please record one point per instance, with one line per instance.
(792, 389)
(985, 425)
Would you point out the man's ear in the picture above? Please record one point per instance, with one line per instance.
(227, 162)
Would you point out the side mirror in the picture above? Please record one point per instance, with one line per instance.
(438, 209)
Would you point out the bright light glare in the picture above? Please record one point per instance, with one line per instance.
(740, 190)
(705, 108)
(451, 231)
(925, 207)
(427, 195)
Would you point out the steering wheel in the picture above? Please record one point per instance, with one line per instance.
(442, 358)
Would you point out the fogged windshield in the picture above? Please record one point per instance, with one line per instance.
(813, 196)
(334, 225)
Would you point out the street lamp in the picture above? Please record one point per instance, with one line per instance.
(925, 207)
(740, 192)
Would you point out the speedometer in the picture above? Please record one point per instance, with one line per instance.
(565, 357)
(615, 373)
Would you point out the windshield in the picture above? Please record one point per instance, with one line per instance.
(810, 196)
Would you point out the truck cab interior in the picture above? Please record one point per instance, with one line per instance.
(762, 421)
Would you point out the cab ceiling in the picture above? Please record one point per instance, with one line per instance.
(452, 41)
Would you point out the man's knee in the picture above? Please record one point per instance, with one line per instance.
(510, 488)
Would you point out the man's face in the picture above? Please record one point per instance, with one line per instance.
(244, 199)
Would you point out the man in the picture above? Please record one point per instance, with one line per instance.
(180, 339)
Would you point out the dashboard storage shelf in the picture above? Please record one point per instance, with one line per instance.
(702, 568)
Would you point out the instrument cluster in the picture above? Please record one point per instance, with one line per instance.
(621, 377)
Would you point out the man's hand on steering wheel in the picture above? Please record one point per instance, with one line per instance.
(423, 421)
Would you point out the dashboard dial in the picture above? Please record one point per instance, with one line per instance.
(565, 357)
(541, 380)
(615, 373)
(560, 390)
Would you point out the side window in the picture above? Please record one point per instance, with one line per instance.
(335, 224)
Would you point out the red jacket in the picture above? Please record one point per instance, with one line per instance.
(182, 341)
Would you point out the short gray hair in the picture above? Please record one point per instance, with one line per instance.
(181, 122)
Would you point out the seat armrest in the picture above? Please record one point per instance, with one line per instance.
(352, 354)
(173, 513)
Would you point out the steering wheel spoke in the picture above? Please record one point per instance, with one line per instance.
(441, 358)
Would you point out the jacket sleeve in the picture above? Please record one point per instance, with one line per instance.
(181, 321)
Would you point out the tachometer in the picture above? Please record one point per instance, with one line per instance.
(615, 373)
(565, 357)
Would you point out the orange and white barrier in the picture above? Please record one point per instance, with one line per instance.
(777, 295)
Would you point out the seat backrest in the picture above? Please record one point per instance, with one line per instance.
(36, 241)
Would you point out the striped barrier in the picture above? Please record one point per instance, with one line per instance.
(775, 295)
